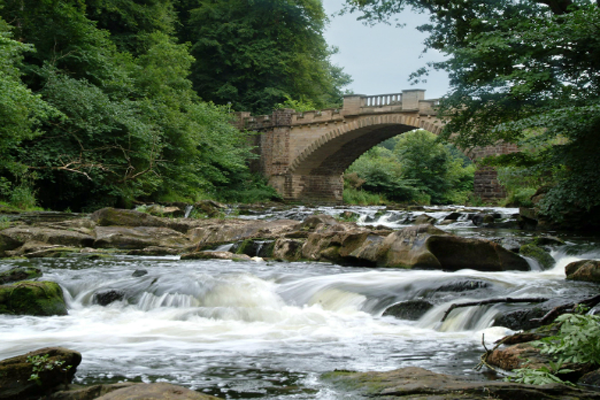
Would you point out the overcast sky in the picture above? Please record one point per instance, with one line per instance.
(381, 58)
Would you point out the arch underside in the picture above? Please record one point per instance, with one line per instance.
(336, 155)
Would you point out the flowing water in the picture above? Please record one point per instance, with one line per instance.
(270, 329)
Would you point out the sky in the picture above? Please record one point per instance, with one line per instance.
(381, 58)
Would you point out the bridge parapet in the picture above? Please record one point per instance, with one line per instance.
(409, 101)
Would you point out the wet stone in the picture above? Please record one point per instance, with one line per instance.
(110, 296)
(411, 310)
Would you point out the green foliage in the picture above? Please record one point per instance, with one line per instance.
(254, 54)
(362, 197)
(119, 119)
(577, 341)
(517, 67)
(540, 376)
(414, 167)
(43, 363)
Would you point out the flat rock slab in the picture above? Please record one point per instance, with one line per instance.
(418, 383)
(155, 391)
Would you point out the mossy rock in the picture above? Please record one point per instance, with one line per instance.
(19, 274)
(32, 298)
(544, 258)
(58, 366)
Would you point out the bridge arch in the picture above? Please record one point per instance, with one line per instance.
(304, 155)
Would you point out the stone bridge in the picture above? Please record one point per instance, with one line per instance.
(304, 155)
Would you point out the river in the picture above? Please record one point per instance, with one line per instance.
(265, 329)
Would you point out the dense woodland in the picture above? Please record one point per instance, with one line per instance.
(105, 102)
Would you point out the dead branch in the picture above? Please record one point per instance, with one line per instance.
(492, 301)
(566, 308)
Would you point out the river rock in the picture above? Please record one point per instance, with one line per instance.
(357, 247)
(23, 234)
(424, 219)
(584, 270)
(39, 298)
(228, 231)
(544, 258)
(155, 391)
(480, 219)
(108, 296)
(288, 249)
(220, 255)
(463, 285)
(19, 274)
(7, 243)
(521, 319)
(547, 241)
(156, 251)
(591, 378)
(420, 384)
(16, 372)
(426, 247)
(74, 392)
(130, 218)
(139, 237)
(411, 310)
(210, 207)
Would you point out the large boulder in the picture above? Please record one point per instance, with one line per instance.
(155, 391)
(35, 374)
(288, 249)
(584, 270)
(426, 247)
(32, 298)
(219, 232)
(131, 218)
(19, 274)
(61, 237)
(139, 237)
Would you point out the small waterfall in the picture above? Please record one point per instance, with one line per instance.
(188, 211)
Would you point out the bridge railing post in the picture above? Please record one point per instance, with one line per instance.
(353, 103)
(411, 98)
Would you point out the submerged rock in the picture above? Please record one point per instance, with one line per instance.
(109, 296)
(411, 310)
(32, 298)
(56, 366)
(544, 258)
(584, 270)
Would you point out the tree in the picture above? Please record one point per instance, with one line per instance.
(21, 112)
(129, 125)
(254, 54)
(416, 167)
(518, 66)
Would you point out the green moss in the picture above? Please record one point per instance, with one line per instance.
(32, 298)
(544, 258)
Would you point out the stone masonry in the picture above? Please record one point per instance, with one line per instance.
(304, 155)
